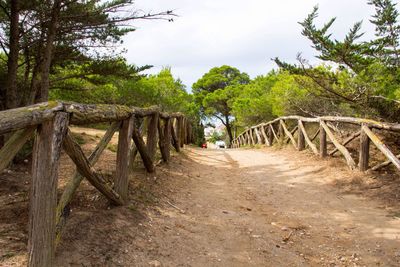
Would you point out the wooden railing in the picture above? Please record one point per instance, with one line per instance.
(277, 131)
(49, 122)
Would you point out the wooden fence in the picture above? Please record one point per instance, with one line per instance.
(277, 131)
(49, 122)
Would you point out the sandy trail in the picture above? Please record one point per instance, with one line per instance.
(247, 207)
(255, 208)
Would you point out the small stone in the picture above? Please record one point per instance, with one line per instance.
(155, 263)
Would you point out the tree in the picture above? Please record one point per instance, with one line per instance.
(39, 36)
(251, 106)
(362, 76)
(215, 92)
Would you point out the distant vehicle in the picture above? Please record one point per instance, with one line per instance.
(204, 145)
(220, 144)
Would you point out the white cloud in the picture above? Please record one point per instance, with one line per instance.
(244, 34)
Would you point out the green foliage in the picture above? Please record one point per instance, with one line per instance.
(360, 78)
(252, 105)
(215, 136)
(112, 147)
(215, 91)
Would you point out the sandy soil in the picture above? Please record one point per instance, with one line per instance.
(247, 207)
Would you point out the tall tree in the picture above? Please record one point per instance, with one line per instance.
(215, 92)
(365, 76)
(38, 36)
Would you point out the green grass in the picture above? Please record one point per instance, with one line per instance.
(79, 138)
(112, 147)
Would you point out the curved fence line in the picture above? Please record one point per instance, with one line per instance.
(277, 131)
(49, 124)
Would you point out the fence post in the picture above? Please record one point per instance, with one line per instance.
(301, 142)
(43, 199)
(252, 142)
(175, 135)
(122, 169)
(270, 136)
(323, 152)
(364, 151)
(281, 132)
(152, 131)
(165, 139)
(179, 131)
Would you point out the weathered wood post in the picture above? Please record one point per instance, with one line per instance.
(189, 133)
(14, 145)
(264, 135)
(165, 139)
(122, 170)
(281, 132)
(43, 198)
(174, 135)
(323, 150)
(142, 148)
(179, 131)
(364, 151)
(152, 132)
(252, 137)
(186, 131)
(258, 136)
(270, 136)
(301, 142)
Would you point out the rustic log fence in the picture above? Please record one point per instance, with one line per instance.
(50, 121)
(277, 131)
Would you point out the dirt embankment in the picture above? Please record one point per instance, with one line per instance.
(220, 208)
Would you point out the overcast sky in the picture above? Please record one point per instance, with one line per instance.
(245, 34)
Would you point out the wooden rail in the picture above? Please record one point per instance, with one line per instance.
(277, 131)
(49, 122)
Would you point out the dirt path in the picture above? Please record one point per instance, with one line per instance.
(249, 208)
(221, 208)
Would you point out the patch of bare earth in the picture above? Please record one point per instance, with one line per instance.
(247, 207)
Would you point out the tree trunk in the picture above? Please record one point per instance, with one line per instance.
(12, 62)
(41, 84)
(228, 129)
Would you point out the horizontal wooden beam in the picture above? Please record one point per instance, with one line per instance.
(19, 118)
